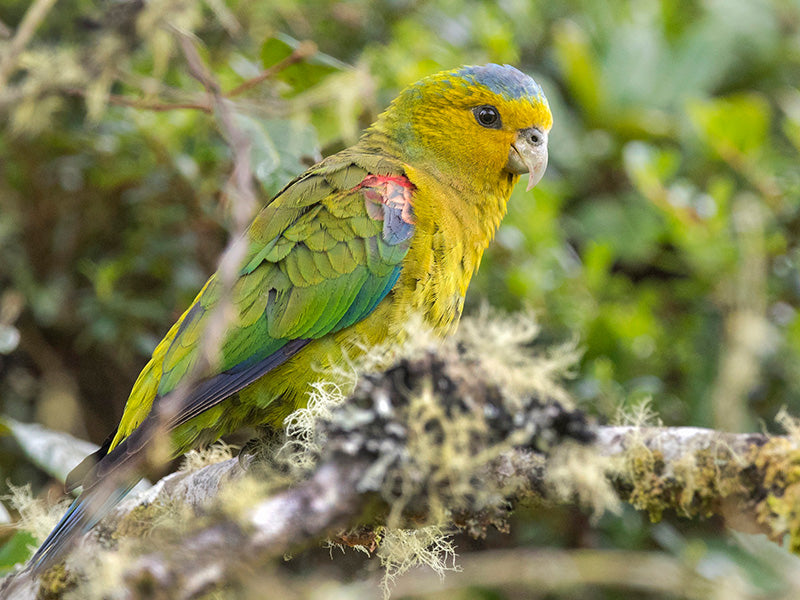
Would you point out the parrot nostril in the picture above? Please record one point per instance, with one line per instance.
(536, 138)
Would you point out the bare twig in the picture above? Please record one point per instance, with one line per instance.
(673, 443)
(154, 106)
(303, 51)
(239, 191)
(34, 16)
(5, 30)
(201, 73)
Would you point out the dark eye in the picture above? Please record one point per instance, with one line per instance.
(487, 116)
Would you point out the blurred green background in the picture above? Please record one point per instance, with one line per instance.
(663, 236)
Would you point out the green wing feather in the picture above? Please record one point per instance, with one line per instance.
(320, 257)
(317, 261)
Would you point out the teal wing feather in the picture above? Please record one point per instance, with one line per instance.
(317, 261)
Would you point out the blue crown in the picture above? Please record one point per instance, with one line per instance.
(503, 80)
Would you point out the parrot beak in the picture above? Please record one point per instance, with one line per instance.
(528, 154)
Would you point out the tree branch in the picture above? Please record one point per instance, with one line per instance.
(406, 457)
(395, 454)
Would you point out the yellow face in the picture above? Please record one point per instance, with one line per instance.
(485, 123)
(523, 126)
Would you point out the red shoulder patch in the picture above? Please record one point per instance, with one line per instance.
(393, 192)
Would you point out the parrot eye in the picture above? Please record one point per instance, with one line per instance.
(487, 116)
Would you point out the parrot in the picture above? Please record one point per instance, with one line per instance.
(338, 261)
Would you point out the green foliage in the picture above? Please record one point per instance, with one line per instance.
(302, 75)
(663, 236)
(15, 550)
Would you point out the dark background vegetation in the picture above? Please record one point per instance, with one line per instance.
(663, 236)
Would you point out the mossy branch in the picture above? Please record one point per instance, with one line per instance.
(428, 442)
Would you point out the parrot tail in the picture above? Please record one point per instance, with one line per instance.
(105, 484)
(107, 478)
(83, 514)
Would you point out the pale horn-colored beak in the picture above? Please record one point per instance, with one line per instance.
(528, 154)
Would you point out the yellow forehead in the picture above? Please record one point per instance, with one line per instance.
(518, 98)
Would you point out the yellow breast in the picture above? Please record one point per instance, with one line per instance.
(453, 228)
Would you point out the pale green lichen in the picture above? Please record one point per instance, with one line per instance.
(498, 345)
(144, 519)
(438, 440)
(455, 408)
(756, 488)
(638, 413)
(576, 472)
(403, 549)
(35, 515)
(56, 583)
(502, 343)
(779, 462)
(38, 517)
(196, 459)
(693, 485)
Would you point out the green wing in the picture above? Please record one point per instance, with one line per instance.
(320, 257)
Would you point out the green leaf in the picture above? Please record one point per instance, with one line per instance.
(735, 126)
(264, 157)
(274, 50)
(281, 149)
(577, 60)
(301, 75)
(649, 167)
(16, 550)
(631, 229)
(54, 452)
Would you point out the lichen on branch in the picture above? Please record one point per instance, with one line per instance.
(434, 443)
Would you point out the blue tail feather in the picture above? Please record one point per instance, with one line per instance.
(83, 514)
(108, 479)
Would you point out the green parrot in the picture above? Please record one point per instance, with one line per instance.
(336, 262)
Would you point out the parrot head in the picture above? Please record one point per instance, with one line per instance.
(473, 124)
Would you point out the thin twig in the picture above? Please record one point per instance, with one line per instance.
(157, 106)
(5, 30)
(303, 51)
(243, 192)
(239, 191)
(32, 19)
(145, 104)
